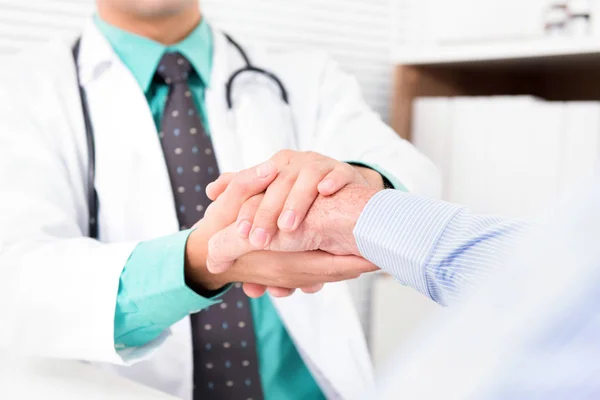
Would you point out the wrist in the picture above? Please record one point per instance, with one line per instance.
(197, 276)
(373, 178)
(342, 212)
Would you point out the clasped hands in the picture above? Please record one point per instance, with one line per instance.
(283, 225)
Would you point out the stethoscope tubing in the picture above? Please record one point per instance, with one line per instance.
(92, 195)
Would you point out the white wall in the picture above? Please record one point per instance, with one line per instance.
(356, 32)
(23, 22)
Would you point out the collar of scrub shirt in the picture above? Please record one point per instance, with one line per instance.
(103, 44)
(142, 55)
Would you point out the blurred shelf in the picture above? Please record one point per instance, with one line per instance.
(558, 69)
(548, 50)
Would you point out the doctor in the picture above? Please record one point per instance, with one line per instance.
(155, 87)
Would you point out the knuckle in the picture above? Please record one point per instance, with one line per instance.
(326, 166)
(287, 179)
(235, 189)
(225, 178)
(283, 155)
(241, 181)
(264, 214)
(284, 181)
(313, 168)
(314, 156)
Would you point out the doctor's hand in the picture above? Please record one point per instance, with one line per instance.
(328, 227)
(301, 177)
(283, 272)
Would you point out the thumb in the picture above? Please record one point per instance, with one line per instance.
(254, 290)
(216, 188)
(224, 248)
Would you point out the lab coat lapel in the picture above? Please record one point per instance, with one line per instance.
(261, 119)
(135, 195)
(224, 139)
(131, 179)
(327, 332)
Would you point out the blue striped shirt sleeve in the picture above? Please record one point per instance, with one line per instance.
(438, 248)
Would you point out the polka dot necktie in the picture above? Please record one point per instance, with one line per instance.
(225, 357)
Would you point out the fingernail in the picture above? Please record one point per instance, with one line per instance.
(244, 227)
(264, 170)
(207, 190)
(258, 238)
(287, 220)
(326, 185)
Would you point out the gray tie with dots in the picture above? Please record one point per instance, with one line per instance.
(225, 357)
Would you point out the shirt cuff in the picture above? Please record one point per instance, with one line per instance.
(153, 294)
(398, 232)
(396, 184)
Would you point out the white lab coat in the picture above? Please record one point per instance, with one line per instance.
(58, 288)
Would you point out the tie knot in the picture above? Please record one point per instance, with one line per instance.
(174, 68)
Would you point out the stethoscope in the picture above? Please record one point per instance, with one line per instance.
(92, 194)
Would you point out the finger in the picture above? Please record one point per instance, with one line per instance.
(341, 176)
(341, 268)
(299, 270)
(280, 292)
(321, 267)
(313, 289)
(254, 291)
(243, 186)
(303, 194)
(216, 188)
(224, 248)
(266, 169)
(265, 219)
(246, 216)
